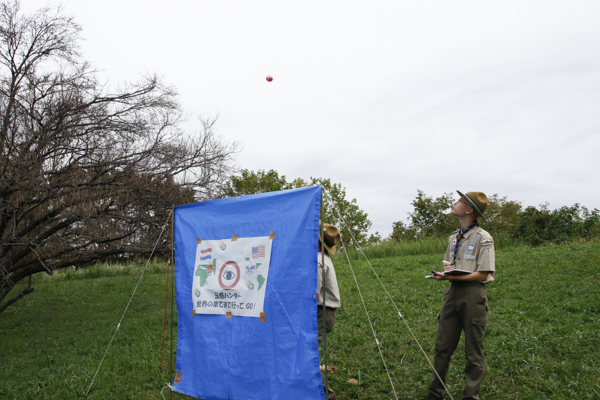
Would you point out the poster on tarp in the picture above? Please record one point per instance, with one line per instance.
(230, 275)
(248, 256)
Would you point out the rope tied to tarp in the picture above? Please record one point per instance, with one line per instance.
(363, 303)
(167, 385)
(127, 307)
(400, 315)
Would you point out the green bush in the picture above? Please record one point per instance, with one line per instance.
(505, 220)
(566, 224)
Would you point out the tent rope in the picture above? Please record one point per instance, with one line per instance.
(162, 352)
(171, 258)
(401, 316)
(369, 319)
(167, 385)
(127, 307)
(367, 313)
(322, 235)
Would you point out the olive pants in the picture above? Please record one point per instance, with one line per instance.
(465, 309)
(330, 315)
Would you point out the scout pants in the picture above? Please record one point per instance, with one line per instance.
(330, 315)
(465, 309)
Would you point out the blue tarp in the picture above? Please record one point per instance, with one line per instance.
(242, 358)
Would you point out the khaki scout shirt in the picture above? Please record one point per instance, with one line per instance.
(475, 252)
(331, 290)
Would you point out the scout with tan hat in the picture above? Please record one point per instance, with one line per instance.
(470, 264)
(327, 288)
(332, 237)
(478, 200)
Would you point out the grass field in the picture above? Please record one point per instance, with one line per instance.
(542, 341)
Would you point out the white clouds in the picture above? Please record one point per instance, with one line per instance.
(438, 96)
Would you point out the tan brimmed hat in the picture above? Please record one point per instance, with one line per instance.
(332, 236)
(478, 200)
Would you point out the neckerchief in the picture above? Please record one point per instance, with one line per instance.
(460, 235)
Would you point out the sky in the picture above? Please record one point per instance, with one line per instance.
(383, 97)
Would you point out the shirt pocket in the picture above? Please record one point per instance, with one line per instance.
(469, 264)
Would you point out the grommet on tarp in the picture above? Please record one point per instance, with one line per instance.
(178, 377)
(263, 317)
(234, 238)
(228, 314)
(272, 235)
(199, 241)
(193, 312)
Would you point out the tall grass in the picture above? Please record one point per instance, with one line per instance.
(104, 270)
(54, 339)
(428, 245)
(541, 342)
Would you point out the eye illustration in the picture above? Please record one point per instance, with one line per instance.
(229, 275)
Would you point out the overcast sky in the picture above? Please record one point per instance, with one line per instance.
(384, 97)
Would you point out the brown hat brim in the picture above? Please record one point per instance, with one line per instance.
(333, 236)
(475, 206)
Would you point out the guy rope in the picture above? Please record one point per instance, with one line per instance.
(341, 222)
(131, 298)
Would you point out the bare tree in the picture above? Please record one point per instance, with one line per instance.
(86, 174)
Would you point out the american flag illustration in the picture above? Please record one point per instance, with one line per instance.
(258, 252)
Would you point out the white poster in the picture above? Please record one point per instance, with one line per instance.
(231, 275)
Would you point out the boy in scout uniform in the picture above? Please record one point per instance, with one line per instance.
(465, 307)
(328, 292)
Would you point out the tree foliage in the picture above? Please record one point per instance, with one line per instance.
(501, 215)
(531, 225)
(252, 182)
(354, 222)
(543, 226)
(86, 174)
(429, 217)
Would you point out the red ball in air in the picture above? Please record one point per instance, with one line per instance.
(269, 78)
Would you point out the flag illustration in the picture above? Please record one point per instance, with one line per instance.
(258, 252)
(207, 256)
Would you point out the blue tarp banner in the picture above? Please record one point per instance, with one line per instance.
(227, 349)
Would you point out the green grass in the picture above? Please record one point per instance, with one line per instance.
(428, 245)
(407, 248)
(541, 342)
(53, 339)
